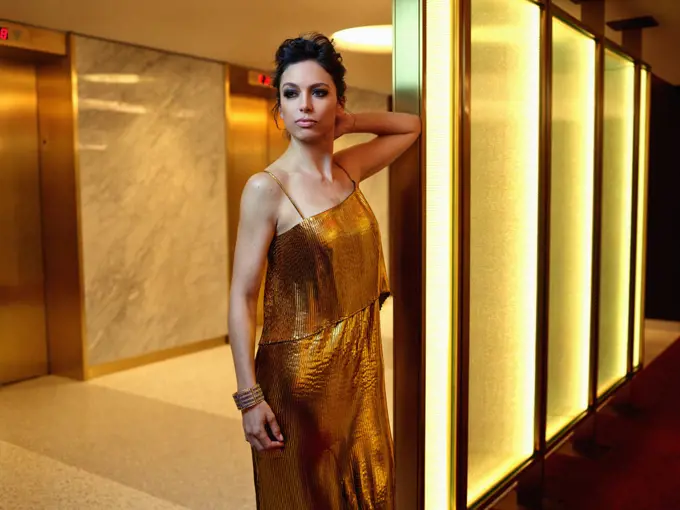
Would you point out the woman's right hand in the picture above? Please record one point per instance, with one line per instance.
(254, 421)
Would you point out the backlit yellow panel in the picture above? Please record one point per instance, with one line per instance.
(439, 101)
(640, 247)
(617, 208)
(571, 224)
(503, 238)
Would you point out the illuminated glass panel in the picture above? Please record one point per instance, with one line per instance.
(571, 224)
(640, 246)
(617, 208)
(503, 237)
(439, 267)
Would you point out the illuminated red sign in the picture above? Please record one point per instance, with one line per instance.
(4, 34)
(258, 79)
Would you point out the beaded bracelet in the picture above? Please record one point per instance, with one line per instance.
(245, 399)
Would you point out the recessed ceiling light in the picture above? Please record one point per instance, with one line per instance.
(371, 39)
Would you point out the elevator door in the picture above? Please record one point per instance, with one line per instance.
(255, 142)
(23, 345)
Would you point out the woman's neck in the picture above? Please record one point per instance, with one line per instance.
(308, 157)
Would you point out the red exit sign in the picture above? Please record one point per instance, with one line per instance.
(259, 79)
(265, 80)
(4, 34)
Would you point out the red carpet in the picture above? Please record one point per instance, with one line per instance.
(641, 468)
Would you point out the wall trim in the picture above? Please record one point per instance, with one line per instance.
(153, 357)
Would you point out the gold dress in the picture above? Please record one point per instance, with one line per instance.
(320, 365)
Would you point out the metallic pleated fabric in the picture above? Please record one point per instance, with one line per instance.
(320, 365)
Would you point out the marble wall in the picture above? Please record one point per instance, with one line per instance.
(153, 199)
(375, 188)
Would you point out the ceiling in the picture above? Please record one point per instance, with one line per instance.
(660, 44)
(248, 33)
(245, 33)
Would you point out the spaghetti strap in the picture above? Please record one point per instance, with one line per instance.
(285, 193)
(347, 174)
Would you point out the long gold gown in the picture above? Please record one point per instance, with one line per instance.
(320, 365)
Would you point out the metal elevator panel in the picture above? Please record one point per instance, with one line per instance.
(255, 142)
(23, 344)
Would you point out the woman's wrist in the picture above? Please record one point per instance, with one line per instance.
(345, 124)
(245, 374)
(247, 398)
(353, 126)
(246, 384)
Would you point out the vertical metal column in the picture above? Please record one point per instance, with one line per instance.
(406, 263)
(634, 219)
(463, 290)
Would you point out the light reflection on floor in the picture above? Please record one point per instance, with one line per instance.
(659, 335)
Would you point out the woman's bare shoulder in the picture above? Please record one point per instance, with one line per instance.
(279, 171)
(261, 193)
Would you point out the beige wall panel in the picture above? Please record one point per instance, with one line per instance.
(152, 182)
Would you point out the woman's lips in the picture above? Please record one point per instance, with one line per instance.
(305, 123)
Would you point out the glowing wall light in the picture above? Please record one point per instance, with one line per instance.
(370, 39)
(617, 205)
(504, 113)
(571, 224)
(439, 227)
(640, 248)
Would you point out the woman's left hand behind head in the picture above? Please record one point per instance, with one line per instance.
(344, 122)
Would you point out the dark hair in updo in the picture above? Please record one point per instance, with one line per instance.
(313, 46)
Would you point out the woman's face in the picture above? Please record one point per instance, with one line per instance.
(309, 101)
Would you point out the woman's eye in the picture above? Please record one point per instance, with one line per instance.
(320, 92)
(289, 93)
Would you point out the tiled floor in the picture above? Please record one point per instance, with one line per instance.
(161, 437)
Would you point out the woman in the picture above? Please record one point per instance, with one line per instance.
(313, 401)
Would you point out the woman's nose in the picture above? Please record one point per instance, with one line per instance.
(305, 103)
